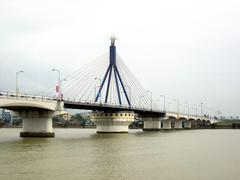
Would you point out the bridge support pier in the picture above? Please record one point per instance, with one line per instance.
(167, 124)
(112, 122)
(187, 125)
(37, 123)
(152, 123)
(178, 124)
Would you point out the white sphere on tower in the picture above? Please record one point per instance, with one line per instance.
(112, 38)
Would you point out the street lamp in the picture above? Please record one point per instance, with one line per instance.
(164, 102)
(177, 101)
(17, 89)
(100, 82)
(59, 83)
(187, 103)
(201, 109)
(62, 86)
(151, 98)
(195, 109)
(168, 106)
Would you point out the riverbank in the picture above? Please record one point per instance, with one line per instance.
(226, 124)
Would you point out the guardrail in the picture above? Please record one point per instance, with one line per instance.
(110, 105)
(87, 102)
(26, 96)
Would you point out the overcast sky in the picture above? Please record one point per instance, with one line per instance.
(185, 49)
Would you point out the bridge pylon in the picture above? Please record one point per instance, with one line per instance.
(113, 68)
(112, 121)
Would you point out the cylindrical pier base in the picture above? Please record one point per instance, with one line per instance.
(152, 124)
(167, 124)
(112, 122)
(178, 124)
(37, 124)
(187, 125)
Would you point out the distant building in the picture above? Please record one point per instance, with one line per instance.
(6, 115)
(67, 117)
(85, 115)
(1, 113)
(1, 117)
(16, 120)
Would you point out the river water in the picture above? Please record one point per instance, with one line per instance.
(83, 154)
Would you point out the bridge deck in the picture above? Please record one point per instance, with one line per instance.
(107, 107)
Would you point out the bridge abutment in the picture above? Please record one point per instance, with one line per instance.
(37, 123)
(112, 122)
(152, 123)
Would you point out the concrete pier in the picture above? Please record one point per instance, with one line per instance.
(37, 123)
(112, 122)
(152, 123)
(167, 124)
(178, 124)
(187, 125)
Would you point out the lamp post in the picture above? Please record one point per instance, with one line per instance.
(17, 89)
(177, 101)
(168, 106)
(187, 103)
(62, 87)
(201, 109)
(100, 82)
(151, 98)
(195, 109)
(59, 83)
(164, 102)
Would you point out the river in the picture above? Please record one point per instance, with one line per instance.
(83, 154)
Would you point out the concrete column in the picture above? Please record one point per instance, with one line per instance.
(37, 123)
(187, 125)
(112, 122)
(167, 124)
(152, 124)
(178, 124)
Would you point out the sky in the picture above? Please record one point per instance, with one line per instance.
(186, 50)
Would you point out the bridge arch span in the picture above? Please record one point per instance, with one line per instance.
(19, 104)
(25, 106)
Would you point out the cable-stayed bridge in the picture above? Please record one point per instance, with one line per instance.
(105, 86)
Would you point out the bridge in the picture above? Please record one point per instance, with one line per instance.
(107, 78)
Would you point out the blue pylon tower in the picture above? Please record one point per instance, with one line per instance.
(113, 67)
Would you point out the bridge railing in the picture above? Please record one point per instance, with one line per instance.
(11, 95)
(89, 102)
(189, 116)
